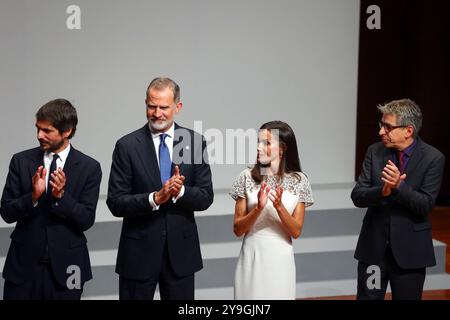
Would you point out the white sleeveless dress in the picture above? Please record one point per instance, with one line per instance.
(266, 265)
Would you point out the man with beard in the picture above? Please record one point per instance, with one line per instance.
(399, 183)
(159, 177)
(51, 194)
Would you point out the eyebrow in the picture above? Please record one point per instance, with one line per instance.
(42, 128)
(153, 105)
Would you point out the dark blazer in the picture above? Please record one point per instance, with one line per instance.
(59, 224)
(404, 214)
(134, 175)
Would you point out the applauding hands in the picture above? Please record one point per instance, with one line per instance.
(57, 182)
(266, 193)
(171, 188)
(391, 177)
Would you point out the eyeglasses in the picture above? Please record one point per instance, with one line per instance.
(388, 127)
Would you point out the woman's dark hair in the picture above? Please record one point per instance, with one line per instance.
(61, 114)
(290, 162)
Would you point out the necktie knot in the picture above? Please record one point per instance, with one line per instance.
(163, 137)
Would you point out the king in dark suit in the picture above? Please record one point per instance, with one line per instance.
(159, 177)
(51, 193)
(399, 183)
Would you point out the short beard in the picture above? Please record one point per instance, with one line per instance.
(160, 127)
(54, 146)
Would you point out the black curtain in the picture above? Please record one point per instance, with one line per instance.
(407, 58)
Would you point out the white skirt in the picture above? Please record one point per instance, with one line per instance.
(265, 269)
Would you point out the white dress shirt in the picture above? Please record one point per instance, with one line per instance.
(169, 142)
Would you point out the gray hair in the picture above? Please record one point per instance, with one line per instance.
(161, 83)
(408, 113)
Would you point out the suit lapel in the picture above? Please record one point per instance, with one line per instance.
(71, 169)
(415, 159)
(388, 154)
(178, 149)
(36, 160)
(146, 151)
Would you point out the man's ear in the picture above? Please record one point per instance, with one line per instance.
(409, 131)
(178, 107)
(67, 133)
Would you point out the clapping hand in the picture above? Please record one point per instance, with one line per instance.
(58, 182)
(177, 182)
(38, 182)
(263, 195)
(171, 187)
(276, 196)
(391, 177)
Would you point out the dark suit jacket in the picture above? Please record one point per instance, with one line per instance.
(404, 213)
(59, 224)
(134, 175)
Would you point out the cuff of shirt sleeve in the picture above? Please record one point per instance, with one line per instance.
(152, 202)
(174, 199)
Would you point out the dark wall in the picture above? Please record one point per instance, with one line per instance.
(407, 58)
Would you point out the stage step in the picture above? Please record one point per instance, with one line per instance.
(323, 253)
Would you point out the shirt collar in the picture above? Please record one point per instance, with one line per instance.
(170, 132)
(62, 155)
(408, 151)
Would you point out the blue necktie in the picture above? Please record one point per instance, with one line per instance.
(165, 164)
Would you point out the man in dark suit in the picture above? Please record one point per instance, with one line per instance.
(51, 193)
(159, 177)
(399, 183)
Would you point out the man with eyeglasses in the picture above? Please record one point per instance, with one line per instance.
(400, 180)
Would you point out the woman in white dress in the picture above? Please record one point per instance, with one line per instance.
(270, 207)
